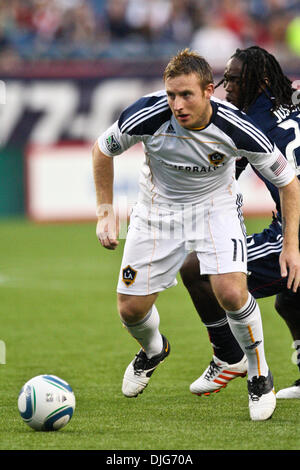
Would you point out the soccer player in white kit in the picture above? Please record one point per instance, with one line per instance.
(189, 200)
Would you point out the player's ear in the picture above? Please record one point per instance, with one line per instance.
(209, 90)
(266, 81)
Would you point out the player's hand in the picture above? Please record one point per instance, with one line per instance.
(290, 267)
(106, 229)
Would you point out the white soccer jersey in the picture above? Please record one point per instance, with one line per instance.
(188, 166)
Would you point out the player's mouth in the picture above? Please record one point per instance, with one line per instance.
(183, 117)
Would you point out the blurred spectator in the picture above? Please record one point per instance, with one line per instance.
(35, 30)
(118, 26)
(181, 23)
(215, 41)
(46, 19)
(150, 18)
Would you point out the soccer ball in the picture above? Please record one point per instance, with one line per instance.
(46, 403)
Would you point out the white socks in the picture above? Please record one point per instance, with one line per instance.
(146, 332)
(246, 325)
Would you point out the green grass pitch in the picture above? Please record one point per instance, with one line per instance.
(58, 316)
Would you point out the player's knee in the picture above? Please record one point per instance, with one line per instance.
(230, 290)
(130, 312)
(231, 301)
(232, 297)
(133, 309)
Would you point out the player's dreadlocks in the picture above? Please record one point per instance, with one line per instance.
(261, 71)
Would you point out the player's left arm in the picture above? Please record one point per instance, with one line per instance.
(290, 257)
(275, 168)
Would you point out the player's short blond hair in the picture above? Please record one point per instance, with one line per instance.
(186, 62)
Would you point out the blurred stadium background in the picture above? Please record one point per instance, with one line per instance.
(68, 67)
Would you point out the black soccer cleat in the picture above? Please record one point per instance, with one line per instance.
(139, 371)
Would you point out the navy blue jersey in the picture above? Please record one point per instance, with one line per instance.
(282, 127)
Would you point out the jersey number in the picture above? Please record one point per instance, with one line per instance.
(294, 144)
(236, 245)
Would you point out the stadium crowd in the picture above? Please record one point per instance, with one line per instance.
(91, 29)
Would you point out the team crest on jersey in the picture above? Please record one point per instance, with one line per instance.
(216, 158)
(129, 275)
(112, 144)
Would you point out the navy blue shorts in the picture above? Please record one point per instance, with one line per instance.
(264, 248)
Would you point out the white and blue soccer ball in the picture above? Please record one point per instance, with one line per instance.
(46, 403)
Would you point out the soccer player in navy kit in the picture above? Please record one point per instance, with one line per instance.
(255, 83)
(191, 142)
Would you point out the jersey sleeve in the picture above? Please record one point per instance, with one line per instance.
(136, 124)
(251, 143)
(112, 142)
(273, 166)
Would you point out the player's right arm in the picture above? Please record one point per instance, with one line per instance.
(103, 169)
(134, 125)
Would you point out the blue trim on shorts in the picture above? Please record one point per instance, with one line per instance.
(264, 250)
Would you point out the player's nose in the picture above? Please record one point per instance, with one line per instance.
(229, 86)
(178, 104)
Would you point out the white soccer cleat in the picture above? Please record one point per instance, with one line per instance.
(290, 392)
(262, 398)
(217, 375)
(139, 371)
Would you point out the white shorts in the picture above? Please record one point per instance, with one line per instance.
(159, 239)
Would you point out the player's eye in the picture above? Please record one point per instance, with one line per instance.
(235, 79)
